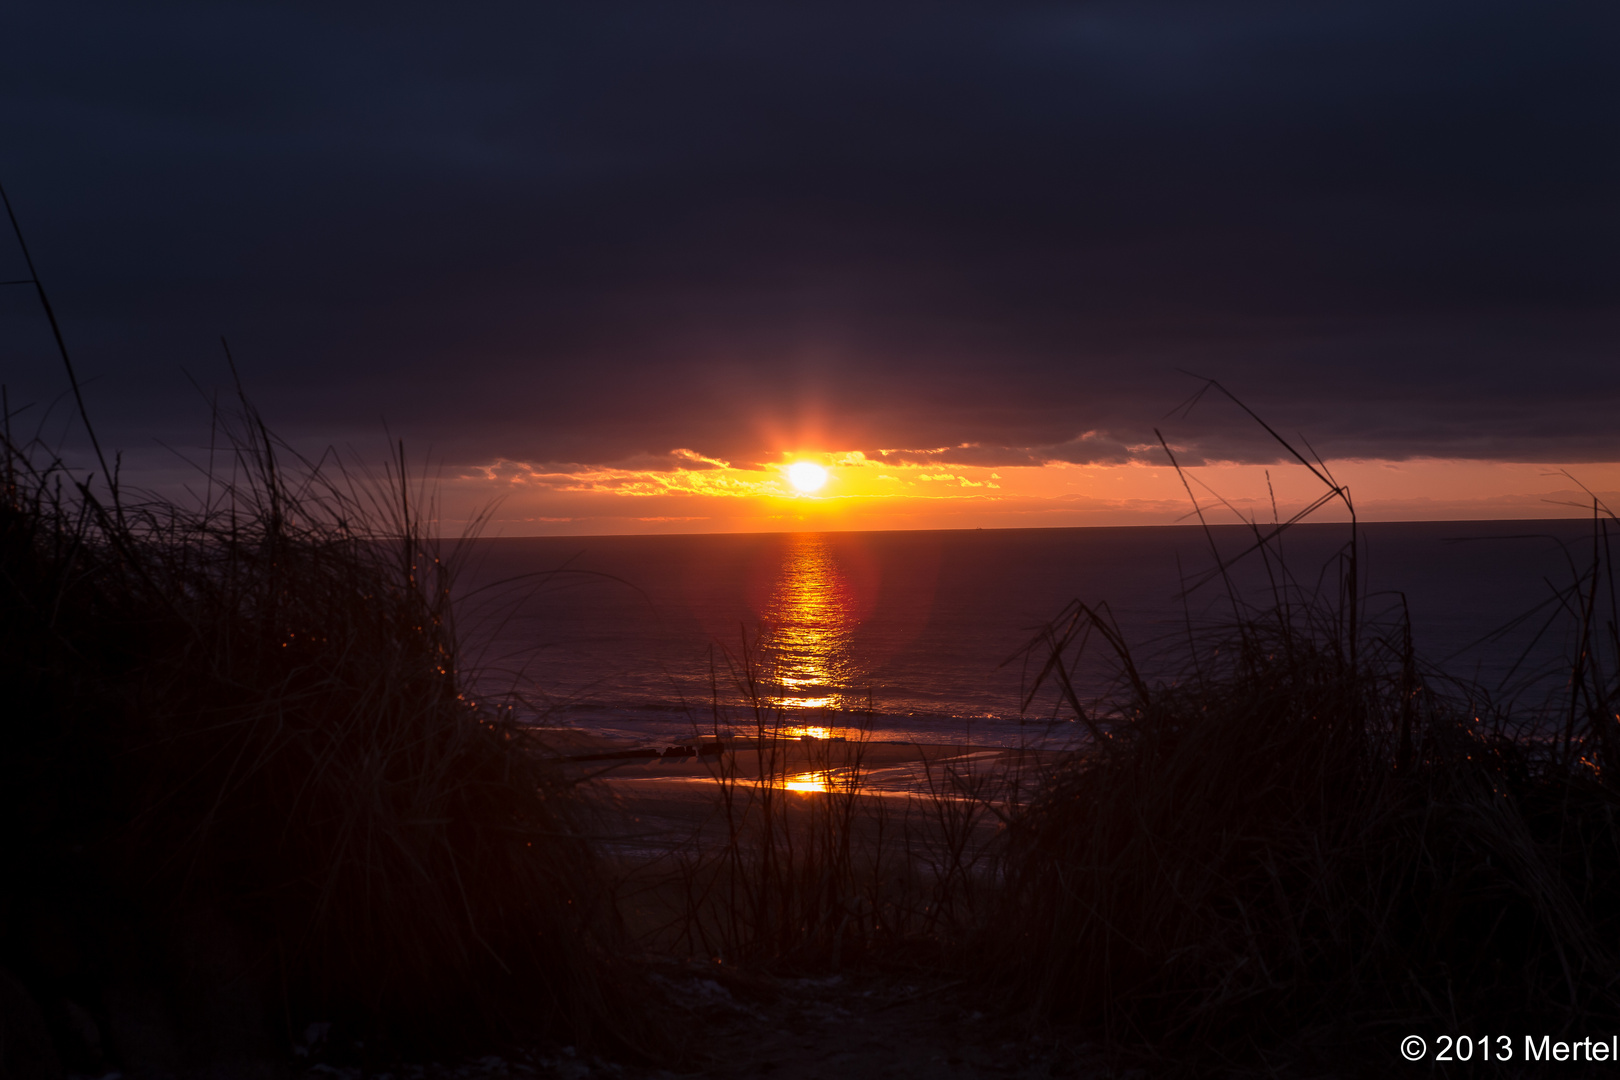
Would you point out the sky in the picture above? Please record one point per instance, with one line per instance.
(612, 267)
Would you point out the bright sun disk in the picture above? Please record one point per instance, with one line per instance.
(806, 475)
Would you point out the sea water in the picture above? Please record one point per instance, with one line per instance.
(937, 636)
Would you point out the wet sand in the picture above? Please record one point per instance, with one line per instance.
(803, 764)
(658, 804)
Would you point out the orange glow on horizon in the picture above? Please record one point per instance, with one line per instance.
(843, 490)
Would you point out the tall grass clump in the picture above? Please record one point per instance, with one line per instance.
(1303, 835)
(245, 789)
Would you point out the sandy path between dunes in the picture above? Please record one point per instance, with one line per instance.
(844, 1027)
(850, 1027)
(742, 1025)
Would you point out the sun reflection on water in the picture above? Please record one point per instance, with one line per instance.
(810, 623)
(808, 731)
(810, 781)
(822, 781)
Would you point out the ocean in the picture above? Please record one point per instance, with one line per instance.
(924, 636)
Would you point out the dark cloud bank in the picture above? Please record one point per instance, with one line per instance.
(582, 233)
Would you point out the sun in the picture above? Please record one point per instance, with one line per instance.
(807, 476)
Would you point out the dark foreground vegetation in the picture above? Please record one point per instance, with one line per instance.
(1309, 844)
(1295, 849)
(245, 791)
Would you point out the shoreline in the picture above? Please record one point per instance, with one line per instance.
(806, 764)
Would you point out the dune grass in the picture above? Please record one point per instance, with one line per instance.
(1248, 856)
(805, 865)
(244, 787)
(1303, 841)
